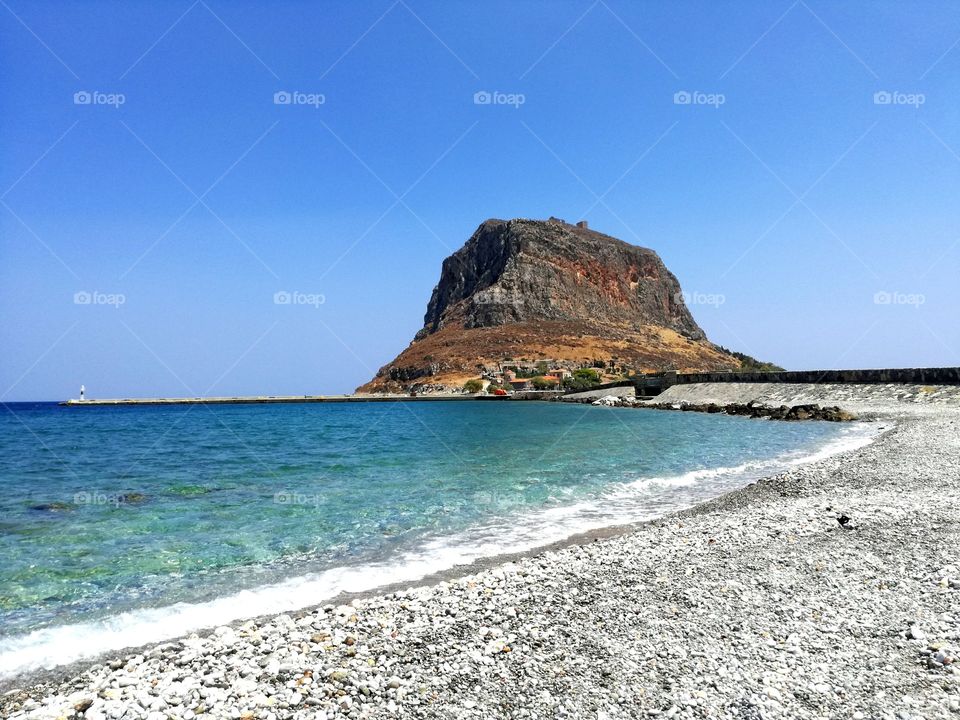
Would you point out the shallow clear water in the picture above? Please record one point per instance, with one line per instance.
(154, 521)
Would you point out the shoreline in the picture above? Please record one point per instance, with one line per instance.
(63, 673)
(728, 505)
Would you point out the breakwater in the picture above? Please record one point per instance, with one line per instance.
(271, 399)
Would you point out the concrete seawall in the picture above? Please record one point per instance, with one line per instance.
(856, 397)
(277, 399)
(265, 400)
(616, 391)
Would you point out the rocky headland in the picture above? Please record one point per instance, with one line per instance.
(545, 290)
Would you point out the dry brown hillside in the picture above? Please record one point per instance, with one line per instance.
(546, 290)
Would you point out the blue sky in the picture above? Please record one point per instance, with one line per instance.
(811, 221)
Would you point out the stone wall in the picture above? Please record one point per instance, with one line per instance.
(906, 376)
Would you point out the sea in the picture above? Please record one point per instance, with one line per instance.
(132, 525)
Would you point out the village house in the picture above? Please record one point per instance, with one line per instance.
(506, 374)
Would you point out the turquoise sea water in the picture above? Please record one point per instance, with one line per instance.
(146, 522)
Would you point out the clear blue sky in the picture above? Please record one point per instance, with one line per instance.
(795, 201)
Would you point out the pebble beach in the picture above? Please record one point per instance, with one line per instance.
(831, 590)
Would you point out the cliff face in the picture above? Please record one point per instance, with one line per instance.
(525, 270)
(526, 289)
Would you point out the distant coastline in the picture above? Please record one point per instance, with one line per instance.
(646, 384)
(254, 399)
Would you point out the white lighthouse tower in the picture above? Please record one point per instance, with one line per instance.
(83, 392)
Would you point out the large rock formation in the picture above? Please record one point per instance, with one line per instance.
(531, 290)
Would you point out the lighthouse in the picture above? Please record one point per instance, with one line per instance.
(83, 391)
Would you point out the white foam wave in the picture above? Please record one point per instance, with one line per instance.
(632, 501)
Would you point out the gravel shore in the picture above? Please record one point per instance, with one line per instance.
(832, 590)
